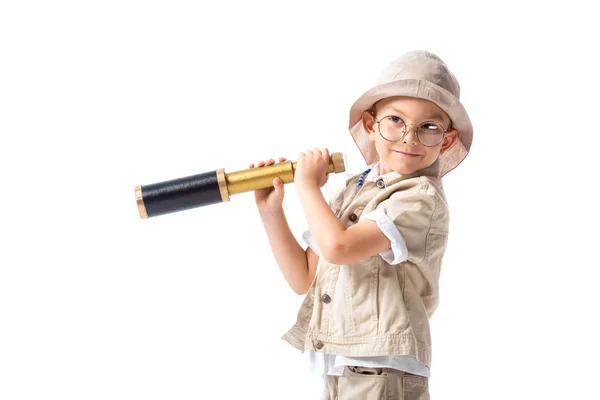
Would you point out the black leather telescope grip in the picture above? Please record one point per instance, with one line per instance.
(181, 194)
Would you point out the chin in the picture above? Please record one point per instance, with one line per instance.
(404, 169)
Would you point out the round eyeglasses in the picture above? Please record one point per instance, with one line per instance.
(392, 128)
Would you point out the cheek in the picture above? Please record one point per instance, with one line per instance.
(432, 153)
(385, 148)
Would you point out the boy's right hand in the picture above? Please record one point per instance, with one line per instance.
(269, 199)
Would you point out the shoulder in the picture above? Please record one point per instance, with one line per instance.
(433, 186)
(424, 186)
(422, 195)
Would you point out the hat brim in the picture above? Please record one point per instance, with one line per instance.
(452, 157)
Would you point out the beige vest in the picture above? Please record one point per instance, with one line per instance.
(372, 308)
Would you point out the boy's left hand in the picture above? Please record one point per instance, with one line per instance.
(311, 168)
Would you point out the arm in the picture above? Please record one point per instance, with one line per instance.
(313, 262)
(293, 261)
(404, 219)
(338, 244)
(325, 227)
(359, 242)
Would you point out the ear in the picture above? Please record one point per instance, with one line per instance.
(368, 122)
(449, 140)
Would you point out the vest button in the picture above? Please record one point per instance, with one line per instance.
(326, 298)
(353, 217)
(380, 183)
(319, 344)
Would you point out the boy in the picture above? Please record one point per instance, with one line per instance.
(372, 267)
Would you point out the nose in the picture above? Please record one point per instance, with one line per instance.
(411, 134)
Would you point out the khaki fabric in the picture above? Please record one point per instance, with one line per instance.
(362, 383)
(373, 308)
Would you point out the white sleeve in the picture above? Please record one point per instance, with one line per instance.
(398, 252)
(307, 236)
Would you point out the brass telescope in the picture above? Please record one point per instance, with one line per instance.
(216, 186)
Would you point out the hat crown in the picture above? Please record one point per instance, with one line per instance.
(421, 65)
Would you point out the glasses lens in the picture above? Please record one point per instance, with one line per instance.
(392, 127)
(430, 134)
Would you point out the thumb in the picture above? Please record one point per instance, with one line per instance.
(278, 184)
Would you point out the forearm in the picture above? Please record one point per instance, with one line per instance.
(325, 227)
(290, 256)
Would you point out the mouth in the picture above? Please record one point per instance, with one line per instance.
(404, 154)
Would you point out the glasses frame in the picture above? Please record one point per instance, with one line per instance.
(444, 131)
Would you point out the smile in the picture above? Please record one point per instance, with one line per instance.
(405, 155)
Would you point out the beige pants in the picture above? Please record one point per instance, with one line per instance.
(362, 383)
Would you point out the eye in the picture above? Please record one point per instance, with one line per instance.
(430, 127)
(395, 120)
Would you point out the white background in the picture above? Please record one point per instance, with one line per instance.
(97, 97)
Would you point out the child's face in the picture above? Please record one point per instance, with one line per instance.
(412, 112)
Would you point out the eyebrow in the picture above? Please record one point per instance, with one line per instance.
(431, 116)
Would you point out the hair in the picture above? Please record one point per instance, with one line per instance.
(373, 109)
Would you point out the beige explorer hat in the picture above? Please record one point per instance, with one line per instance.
(416, 74)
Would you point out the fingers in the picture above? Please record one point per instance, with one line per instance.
(262, 163)
(316, 151)
(322, 150)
